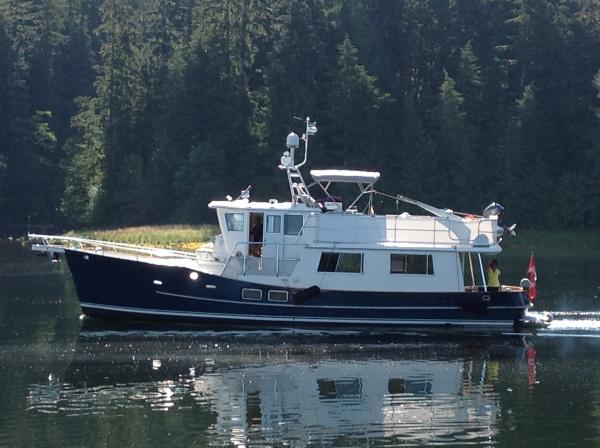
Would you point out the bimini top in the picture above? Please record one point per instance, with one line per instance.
(362, 177)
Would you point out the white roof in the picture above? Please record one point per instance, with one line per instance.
(363, 177)
(244, 204)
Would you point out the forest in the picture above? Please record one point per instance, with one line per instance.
(126, 112)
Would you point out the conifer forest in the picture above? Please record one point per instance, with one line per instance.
(125, 112)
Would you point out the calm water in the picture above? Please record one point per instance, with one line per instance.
(71, 382)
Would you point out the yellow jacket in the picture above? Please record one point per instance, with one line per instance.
(493, 277)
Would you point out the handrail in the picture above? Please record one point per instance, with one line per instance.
(394, 230)
(151, 251)
(485, 286)
(277, 258)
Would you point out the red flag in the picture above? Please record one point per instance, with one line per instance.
(532, 276)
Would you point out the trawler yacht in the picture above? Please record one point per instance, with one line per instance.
(315, 259)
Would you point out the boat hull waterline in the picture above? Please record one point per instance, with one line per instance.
(110, 286)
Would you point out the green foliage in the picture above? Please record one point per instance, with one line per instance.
(356, 103)
(198, 180)
(115, 112)
(83, 165)
(596, 83)
(451, 101)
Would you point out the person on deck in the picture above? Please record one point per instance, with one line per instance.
(256, 237)
(493, 275)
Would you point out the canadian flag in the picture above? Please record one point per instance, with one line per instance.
(532, 276)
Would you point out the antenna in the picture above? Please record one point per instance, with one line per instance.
(298, 189)
(311, 129)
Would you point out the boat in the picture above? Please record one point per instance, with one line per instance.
(314, 260)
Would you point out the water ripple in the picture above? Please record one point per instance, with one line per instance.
(326, 402)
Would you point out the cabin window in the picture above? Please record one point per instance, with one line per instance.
(235, 222)
(411, 264)
(292, 224)
(340, 262)
(251, 294)
(273, 224)
(339, 388)
(415, 386)
(277, 296)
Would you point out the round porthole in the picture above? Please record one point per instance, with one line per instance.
(194, 275)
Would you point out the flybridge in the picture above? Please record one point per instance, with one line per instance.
(365, 180)
(323, 178)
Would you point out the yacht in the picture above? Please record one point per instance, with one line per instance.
(316, 259)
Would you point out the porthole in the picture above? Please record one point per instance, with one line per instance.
(251, 294)
(278, 296)
(194, 275)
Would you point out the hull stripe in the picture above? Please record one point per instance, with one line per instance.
(423, 308)
(246, 317)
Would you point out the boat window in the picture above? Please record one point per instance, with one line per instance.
(340, 262)
(411, 264)
(251, 294)
(277, 296)
(292, 224)
(339, 388)
(273, 224)
(235, 222)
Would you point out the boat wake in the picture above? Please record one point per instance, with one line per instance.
(580, 323)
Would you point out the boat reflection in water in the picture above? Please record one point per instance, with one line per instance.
(423, 400)
(269, 388)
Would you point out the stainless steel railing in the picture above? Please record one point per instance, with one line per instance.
(438, 232)
(50, 242)
(239, 264)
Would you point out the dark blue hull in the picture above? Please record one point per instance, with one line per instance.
(116, 287)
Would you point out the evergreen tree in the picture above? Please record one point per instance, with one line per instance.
(356, 104)
(84, 165)
(6, 67)
(117, 92)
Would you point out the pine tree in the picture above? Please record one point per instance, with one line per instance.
(356, 102)
(117, 92)
(84, 165)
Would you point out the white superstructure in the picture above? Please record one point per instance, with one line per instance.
(308, 241)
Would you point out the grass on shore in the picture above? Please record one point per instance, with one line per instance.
(180, 237)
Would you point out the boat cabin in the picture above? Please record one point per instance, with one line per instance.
(350, 246)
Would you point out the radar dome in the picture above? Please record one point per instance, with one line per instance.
(293, 141)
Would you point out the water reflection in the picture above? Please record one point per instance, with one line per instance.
(267, 388)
